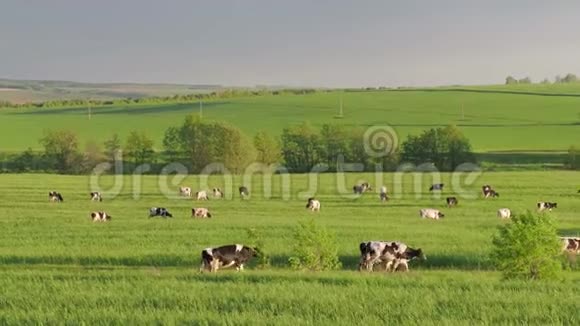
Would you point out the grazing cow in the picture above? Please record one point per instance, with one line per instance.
(504, 213)
(96, 196)
(200, 212)
(313, 205)
(226, 256)
(488, 192)
(437, 186)
(451, 201)
(571, 244)
(542, 206)
(244, 192)
(185, 191)
(159, 211)
(55, 196)
(201, 195)
(217, 192)
(391, 254)
(100, 217)
(431, 213)
(363, 187)
(383, 194)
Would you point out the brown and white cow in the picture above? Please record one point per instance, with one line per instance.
(100, 217)
(201, 195)
(431, 213)
(391, 254)
(313, 204)
(200, 212)
(226, 256)
(451, 201)
(185, 191)
(571, 244)
(55, 196)
(96, 196)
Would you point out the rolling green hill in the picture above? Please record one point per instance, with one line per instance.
(494, 118)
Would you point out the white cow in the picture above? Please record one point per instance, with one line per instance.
(313, 205)
(504, 213)
(431, 213)
(185, 191)
(201, 195)
(383, 194)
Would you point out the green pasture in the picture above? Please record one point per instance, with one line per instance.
(58, 267)
(495, 120)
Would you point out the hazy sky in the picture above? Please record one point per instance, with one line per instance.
(299, 42)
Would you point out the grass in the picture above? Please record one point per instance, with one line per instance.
(493, 120)
(56, 266)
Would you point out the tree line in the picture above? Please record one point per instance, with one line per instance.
(568, 78)
(198, 144)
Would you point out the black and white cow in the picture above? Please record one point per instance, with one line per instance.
(217, 193)
(96, 196)
(159, 211)
(431, 213)
(451, 201)
(244, 192)
(200, 212)
(363, 187)
(489, 192)
(201, 195)
(383, 194)
(100, 217)
(313, 204)
(391, 254)
(437, 186)
(226, 256)
(571, 244)
(55, 196)
(542, 206)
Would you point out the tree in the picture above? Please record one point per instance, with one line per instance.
(61, 150)
(139, 147)
(528, 247)
(526, 80)
(570, 78)
(93, 156)
(510, 80)
(315, 248)
(172, 144)
(301, 147)
(574, 158)
(546, 81)
(267, 148)
(113, 149)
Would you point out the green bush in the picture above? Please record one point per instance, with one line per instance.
(315, 248)
(528, 248)
(256, 241)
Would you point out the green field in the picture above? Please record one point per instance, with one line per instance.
(492, 118)
(58, 267)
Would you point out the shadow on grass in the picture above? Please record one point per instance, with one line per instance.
(112, 110)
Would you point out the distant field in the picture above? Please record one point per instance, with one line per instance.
(493, 121)
(56, 265)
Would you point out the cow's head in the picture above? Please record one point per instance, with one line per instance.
(554, 205)
(440, 215)
(208, 214)
(415, 254)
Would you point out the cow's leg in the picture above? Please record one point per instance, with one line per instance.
(389, 266)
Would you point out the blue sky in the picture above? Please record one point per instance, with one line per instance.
(299, 43)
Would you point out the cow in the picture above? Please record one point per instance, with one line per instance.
(185, 191)
(391, 254)
(217, 192)
(571, 244)
(363, 187)
(200, 212)
(431, 213)
(55, 197)
(542, 206)
(244, 192)
(451, 201)
(504, 213)
(159, 211)
(437, 186)
(383, 194)
(489, 192)
(226, 256)
(100, 217)
(201, 195)
(313, 204)
(96, 196)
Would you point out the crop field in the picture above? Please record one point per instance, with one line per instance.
(58, 267)
(494, 119)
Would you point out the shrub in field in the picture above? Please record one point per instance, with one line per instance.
(315, 248)
(256, 241)
(528, 247)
